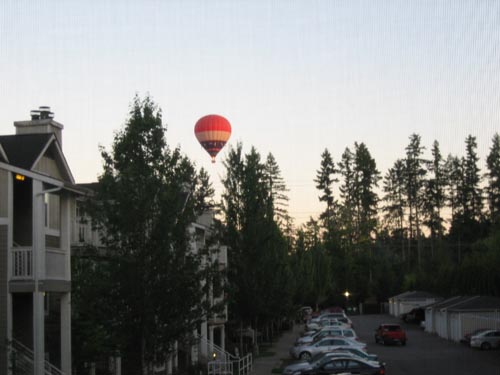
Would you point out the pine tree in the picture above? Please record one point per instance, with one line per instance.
(395, 201)
(367, 178)
(415, 175)
(348, 218)
(434, 198)
(259, 276)
(493, 175)
(278, 200)
(148, 195)
(325, 178)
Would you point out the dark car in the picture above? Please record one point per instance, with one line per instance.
(390, 334)
(342, 365)
(415, 315)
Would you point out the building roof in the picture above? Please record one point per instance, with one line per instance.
(414, 295)
(446, 302)
(23, 150)
(477, 303)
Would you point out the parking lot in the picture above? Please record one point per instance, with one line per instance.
(425, 353)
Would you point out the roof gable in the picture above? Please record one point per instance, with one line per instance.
(40, 153)
(23, 150)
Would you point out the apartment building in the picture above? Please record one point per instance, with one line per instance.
(37, 192)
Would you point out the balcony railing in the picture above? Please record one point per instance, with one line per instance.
(22, 263)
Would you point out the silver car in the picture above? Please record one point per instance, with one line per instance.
(486, 340)
(310, 364)
(323, 345)
(330, 331)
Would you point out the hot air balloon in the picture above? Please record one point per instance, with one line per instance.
(212, 131)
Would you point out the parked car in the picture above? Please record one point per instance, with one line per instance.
(358, 352)
(467, 336)
(346, 365)
(327, 323)
(415, 315)
(390, 333)
(317, 360)
(334, 331)
(317, 323)
(326, 344)
(486, 340)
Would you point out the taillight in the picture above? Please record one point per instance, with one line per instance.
(381, 371)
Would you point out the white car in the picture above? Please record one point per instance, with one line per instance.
(331, 331)
(323, 345)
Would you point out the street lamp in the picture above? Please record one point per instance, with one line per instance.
(346, 294)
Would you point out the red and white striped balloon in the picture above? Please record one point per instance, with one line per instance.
(212, 131)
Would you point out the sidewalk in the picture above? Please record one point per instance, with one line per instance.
(264, 365)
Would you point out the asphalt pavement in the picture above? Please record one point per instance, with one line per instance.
(423, 354)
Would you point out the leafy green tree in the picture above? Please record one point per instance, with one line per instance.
(147, 197)
(493, 175)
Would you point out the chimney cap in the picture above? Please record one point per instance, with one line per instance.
(42, 113)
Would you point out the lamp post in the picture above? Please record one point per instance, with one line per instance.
(346, 295)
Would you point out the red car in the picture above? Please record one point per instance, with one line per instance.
(390, 333)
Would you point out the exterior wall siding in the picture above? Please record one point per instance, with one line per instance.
(4, 196)
(473, 321)
(3, 296)
(48, 167)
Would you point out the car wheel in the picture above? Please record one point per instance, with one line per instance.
(485, 346)
(384, 342)
(403, 343)
(305, 355)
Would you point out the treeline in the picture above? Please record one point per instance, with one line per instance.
(428, 223)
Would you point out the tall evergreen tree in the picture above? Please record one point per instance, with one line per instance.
(395, 202)
(325, 178)
(472, 200)
(148, 196)
(434, 198)
(259, 276)
(348, 219)
(278, 199)
(367, 178)
(415, 175)
(493, 175)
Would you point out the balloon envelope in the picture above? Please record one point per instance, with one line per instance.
(212, 131)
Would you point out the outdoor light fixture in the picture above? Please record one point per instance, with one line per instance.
(20, 177)
(346, 294)
(214, 356)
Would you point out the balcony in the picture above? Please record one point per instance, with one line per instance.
(22, 263)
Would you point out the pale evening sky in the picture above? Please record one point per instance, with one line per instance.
(292, 77)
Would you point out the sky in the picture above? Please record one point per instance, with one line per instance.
(293, 77)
